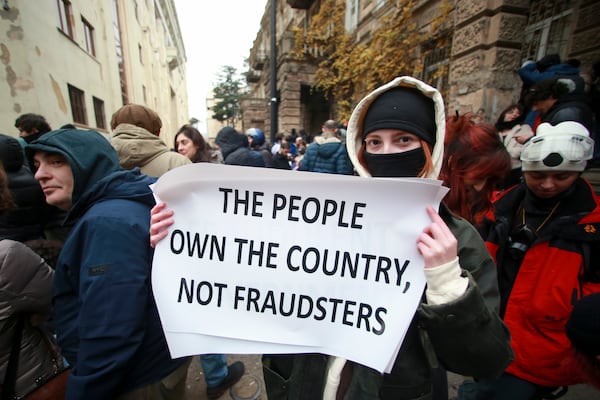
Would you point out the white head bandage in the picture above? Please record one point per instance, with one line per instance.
(563, 147)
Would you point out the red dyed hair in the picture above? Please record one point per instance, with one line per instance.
(473, 152)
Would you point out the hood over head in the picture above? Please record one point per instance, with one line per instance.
(90, 155)
(432, 129)
(136, 146)
(230, 140)
(11, 153)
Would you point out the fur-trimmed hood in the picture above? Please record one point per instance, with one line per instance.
(355, 125)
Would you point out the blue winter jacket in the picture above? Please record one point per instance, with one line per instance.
(530, 75)
(107, 322)
(329, 156)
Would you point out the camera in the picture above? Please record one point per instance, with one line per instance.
(519, 241)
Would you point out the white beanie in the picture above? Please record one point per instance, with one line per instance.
(565, 146)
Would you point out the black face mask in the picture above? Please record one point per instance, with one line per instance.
(407, 164)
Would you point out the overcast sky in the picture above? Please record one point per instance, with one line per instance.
(215, 33)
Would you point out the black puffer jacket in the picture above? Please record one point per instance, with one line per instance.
(571, 107)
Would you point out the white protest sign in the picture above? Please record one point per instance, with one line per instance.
(270, 261)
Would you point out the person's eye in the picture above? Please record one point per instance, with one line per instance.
(373, 142)
(405, 139)
(56, 162)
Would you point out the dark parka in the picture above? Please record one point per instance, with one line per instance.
(465, 335)
(571, 107)
(235, 149)
(106, 318)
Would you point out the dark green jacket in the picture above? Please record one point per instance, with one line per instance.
(465, 336)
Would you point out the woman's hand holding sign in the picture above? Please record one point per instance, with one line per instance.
(436, 243)
(160, 220)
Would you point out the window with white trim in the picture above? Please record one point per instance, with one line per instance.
(88, 33)
(65, 17)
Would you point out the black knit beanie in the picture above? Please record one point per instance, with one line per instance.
(583, 326)
(402, 108)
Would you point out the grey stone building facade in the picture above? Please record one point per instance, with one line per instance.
(488, 42)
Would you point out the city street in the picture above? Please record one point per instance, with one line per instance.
(196, 387)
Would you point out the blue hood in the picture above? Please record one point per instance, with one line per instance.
(90, 156)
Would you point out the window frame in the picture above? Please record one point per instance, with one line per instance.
(89, 35)
(78, 109)
(65, 17)
(99, 112)
(540, 36)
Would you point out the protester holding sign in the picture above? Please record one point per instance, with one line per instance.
(398, 131)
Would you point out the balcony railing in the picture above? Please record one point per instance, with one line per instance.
(252, 76)
(258, 62)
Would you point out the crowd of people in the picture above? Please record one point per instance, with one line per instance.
(511, 257)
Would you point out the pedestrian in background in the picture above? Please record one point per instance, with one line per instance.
(218, 375)
(475, 164)
(544, 237)
(189, 142)
(258, 143)
(136, 137)
(31, 126)
(514, 132)
(236, 150)
(327, 153)
(281, 160)
(557, 100)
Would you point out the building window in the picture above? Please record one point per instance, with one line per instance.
(351, 20)
(88, 31)
(99, 113)
(141, 54)
(548, 29)
(435, 66)
(77, 105)
(65, 18)
(145, 94)
(119, 49)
